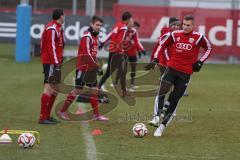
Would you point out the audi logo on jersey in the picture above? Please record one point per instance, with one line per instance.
(184, 46)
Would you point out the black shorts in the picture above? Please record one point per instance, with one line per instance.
(174, 77)
(88, 78)
(52, 73)
(132, 59)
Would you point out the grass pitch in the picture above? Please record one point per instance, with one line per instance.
(207, 125)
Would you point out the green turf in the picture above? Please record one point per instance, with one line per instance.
(207, 126)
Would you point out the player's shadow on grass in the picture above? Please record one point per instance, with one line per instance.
(104, 108)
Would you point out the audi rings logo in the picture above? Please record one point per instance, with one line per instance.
(184, 46)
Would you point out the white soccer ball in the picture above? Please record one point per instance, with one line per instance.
(26, 140)
(139, 130)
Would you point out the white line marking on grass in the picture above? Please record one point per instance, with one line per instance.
(91, 151)
(99, 153)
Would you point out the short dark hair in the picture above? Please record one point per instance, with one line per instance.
(126, 16)
(189, 17)
(95, 19)
(57, 13)
(173, 21)
(136, 24)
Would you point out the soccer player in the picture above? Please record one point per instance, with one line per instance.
(52, 44)
(174, 24)
(117, 58)
(182, 63)
(133, 48)
(87, 70)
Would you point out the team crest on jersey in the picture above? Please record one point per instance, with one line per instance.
(191, 40)
(178, 38)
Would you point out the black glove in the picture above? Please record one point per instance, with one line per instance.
(100, 46)
(197, 66)
(100, 72)
(152, 64)
(144, 52)
(141, 53)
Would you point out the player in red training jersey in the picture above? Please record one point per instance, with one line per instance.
(182, 63)
(117, 59)
(174, 24)
(52, 44)
(134, 48)
(87, 70)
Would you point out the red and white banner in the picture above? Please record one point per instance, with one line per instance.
(221, 27)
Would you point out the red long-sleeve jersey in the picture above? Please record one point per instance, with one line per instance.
(185, 49)
(133, 44)
(87, 52)
(132, 51)
(163, 57)
(116, 37)
(52, 43)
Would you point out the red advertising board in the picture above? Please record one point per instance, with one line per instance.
(220, 26)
